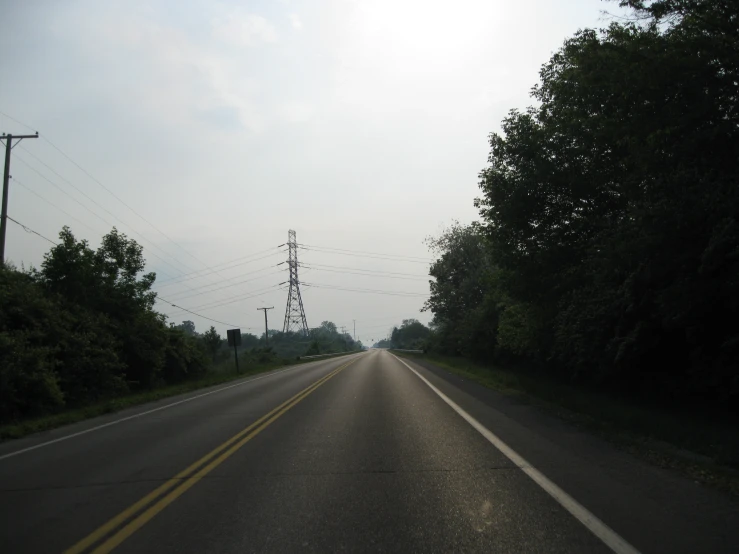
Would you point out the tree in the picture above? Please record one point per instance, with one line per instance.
(464, 298)
(411, 334)
(610, 209)
(187, 327)
(212, 341)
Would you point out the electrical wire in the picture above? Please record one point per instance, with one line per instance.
(192, 289)
(218, 303)
(368, 274)
(229, 285)
(367, 270)
(114, 195)
(125, 204)
(419, 258)
(199, 315)
(111, 214)
(194, 275)
(99, 183)
(372, 291)
(29, 230)
(151, 245)
(50, 203)
(313, 249)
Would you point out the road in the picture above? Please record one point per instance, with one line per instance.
(363, 453)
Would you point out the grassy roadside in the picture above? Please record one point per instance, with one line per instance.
(223, 373)
(703, 450)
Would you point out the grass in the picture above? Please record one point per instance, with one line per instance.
(221, 373)
(703, 449)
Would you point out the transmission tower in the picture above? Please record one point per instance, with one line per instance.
(294, 312)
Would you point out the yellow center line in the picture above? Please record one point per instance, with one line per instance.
(181, 480)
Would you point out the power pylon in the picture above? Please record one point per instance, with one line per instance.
(294, 312)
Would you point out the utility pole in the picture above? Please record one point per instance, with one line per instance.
(266, 329)
(294, 311)
(355, 329)
(6, 181)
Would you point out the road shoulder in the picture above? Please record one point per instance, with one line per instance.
(620, 489)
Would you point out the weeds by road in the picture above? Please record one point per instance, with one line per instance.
(221, 373)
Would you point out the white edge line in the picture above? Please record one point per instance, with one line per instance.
(607, 535)
(117, 421)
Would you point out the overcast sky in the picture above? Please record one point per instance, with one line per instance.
(360, 125)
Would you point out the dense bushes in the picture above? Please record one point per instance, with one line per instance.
(82, 328)
(608, 250)
(411, 335)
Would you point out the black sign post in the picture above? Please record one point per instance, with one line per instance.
(234, 339)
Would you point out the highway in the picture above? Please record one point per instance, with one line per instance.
(361, 453)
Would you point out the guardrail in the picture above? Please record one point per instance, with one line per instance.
(329, 354)
(412, 351)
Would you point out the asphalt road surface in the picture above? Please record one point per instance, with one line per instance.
(363, 453)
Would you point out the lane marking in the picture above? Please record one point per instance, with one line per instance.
(181, 482)
(608, 536)
(128, 418)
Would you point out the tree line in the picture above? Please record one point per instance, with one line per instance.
(607, 252)
(324, 339)
(411, 334)
(82, 328)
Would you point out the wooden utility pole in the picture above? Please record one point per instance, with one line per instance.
(6, 181)
(266, 329)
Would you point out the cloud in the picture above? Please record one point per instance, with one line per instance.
(295, 21)
(174, 76)
(244, 29)
(296, 112)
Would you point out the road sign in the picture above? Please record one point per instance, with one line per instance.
(234, 337)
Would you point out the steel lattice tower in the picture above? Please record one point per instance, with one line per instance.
(294, 312)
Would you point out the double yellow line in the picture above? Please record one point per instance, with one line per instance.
(184, 480)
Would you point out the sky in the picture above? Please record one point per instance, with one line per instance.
(206, 130)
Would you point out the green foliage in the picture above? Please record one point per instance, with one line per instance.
(259, 356)
(609, 246)
(212, 341)
(411, 334)
(323, 339)
(82, 329)
(464, 297)
(314, 349)
(187, 327)
(184, 358)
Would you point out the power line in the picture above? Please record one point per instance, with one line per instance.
(423, 259)
(83, 193)
(368, 274)
(251, 294)
(125, 204)
(227, 286)
(194, 313)
(29, 230)
(323, 251)
(50, 203)
(194, 274)
(391, 318)
(373, 291)
(18, 122)
(368, 270)
(98, 182)
(108, 223)
(151, 245)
